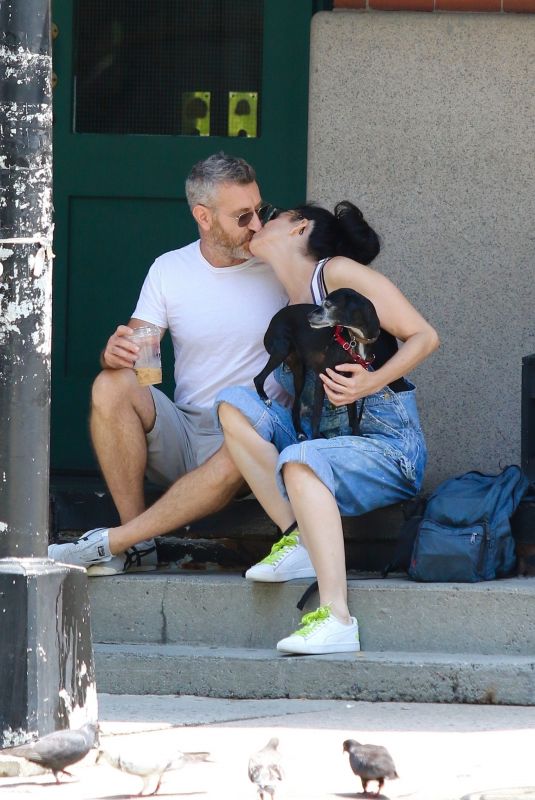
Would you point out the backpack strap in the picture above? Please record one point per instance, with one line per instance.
(414, 512)
(306, 595)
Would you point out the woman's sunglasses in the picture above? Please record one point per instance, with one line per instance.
(269, 212)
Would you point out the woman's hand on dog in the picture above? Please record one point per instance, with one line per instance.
(120, 352)
(347, 383)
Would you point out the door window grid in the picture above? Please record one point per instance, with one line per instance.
(171, 67)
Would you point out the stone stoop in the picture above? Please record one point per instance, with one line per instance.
(197, 627)
(173, 632)
(235, 537)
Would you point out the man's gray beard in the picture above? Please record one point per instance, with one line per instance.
(227, 246)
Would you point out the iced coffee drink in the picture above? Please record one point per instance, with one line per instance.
(147, 375)
(148, 366)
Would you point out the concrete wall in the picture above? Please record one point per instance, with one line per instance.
(427, 122)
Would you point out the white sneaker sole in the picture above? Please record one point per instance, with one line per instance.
(269, 576)
(103, 571)
(318, 649)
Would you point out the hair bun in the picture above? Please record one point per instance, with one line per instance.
(345, 207)
(343, 232)
(357, 238)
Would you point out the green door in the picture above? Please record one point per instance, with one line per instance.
(144, 89)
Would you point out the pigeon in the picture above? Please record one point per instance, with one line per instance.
(265, 769)
(149, 766)
(58, 750)
(370, 762)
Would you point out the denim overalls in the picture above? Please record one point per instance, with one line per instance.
(384, 465)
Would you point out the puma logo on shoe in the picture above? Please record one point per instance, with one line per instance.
(320, 632)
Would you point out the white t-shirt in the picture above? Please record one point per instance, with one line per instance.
(217, 318)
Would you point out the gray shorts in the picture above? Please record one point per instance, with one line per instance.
(183, 438)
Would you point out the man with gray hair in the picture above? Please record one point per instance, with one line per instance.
(216, 301)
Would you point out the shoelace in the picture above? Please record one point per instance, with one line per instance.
(276, 551)
(134, 556)
(312, 620)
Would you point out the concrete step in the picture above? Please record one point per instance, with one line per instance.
(395, 614)
(235, 672)
(237, 536)
(214, 634)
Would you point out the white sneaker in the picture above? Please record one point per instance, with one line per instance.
(141, 557)
(92, 551)
(287, 560)
(321, 632)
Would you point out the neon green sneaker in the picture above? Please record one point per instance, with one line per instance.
(320, 632)
(288, 559)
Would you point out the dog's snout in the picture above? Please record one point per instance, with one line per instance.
(318, 318)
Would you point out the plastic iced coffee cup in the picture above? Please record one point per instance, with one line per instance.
(148, 366)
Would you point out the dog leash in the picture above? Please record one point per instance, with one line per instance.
(349, 347)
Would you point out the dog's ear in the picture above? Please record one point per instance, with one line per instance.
(203, 216)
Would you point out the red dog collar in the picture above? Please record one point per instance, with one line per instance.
(349, 347)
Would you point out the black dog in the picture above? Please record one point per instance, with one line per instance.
(303, 337)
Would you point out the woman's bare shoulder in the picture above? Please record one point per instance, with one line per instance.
(341, 272)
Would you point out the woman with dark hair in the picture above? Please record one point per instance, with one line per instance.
(344, 233)
(305, 486)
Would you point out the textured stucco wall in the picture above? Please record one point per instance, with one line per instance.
(427, 122)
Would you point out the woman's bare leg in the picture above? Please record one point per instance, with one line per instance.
(320, 526)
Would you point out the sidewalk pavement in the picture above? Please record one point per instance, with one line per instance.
(441, 752)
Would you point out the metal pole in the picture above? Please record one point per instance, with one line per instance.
(47, 676)
(25, 275)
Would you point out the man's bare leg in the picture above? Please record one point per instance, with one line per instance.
(203, 491)
(121, 414)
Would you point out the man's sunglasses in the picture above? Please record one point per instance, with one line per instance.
(265, 213)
